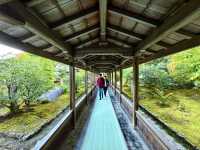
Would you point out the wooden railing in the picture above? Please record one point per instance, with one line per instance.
(65, 125)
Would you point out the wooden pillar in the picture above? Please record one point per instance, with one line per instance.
(135, 90)
(111, 79)
(115, 82)
(94, 79)
(86, 86)
(121, 73)
(72, 93)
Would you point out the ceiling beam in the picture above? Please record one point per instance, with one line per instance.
(134, 16)
(103, 18)
(185, 15)
(133, 35)
(142, 19)
(121, 41)
(181, 46)
(86, 42)
(32, 3)
(125, 32)
(15, 43)
(102, 62)
(68, 20)
(81, 33)
(102, 50)
(163, 44)
(32, 22)
(5, 1)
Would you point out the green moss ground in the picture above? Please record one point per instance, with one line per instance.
(182, 116)
(28, 122)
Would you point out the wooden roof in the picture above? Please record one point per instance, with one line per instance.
(100, 35)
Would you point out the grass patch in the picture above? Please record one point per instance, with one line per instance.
(183, 113)
(183, 116)
(30, 121)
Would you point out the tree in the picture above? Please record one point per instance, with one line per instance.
(156, 74)
(26, 78)
(9, 79)
(37, 76)
(184, 67)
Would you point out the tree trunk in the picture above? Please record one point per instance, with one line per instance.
(14, 107)
(27, 102)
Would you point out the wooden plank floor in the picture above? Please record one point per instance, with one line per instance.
(103, 131)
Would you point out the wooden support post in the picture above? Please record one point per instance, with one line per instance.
(121, 73)
(112, 78)
(72, 93)
(115, 81)
(94, 79)
(86, 86)
(135, 90)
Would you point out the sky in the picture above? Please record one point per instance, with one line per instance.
(8, 50)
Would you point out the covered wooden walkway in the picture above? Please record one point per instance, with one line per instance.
(101, 36)
(103, 131)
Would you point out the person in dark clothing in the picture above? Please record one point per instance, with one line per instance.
(101, 84)
(107, 83)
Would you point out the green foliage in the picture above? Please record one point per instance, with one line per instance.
(162, 96)
(127, 76)
(80, 82)
(36, 77)
(62, 76)
(26, 78)
(184, 67)
(10, 80)
(156, 74)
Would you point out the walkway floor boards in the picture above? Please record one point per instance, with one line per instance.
(103, 131)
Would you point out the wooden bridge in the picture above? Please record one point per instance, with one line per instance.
(101, 36)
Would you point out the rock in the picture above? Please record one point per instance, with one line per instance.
(51, 95)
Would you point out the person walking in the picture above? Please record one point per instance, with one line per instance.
(101, 84)
(107, 83)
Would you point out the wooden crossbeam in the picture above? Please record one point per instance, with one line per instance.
(125, 32)
(81, 33)
(15, 43)
(86, 42)
(103, 18)
(32, 3)
(107, 61)
(185, 15)
(78, 16)
(102, 50)
(34, 25)
(142, 19)
(5, 1)
(133, 16)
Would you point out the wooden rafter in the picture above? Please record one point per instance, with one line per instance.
(81, 33)
(34, 25)
(10, 41)
(125, 32)
(181, 46)
(133, 16)
(103, 18)
(186, 14)
(70, 19)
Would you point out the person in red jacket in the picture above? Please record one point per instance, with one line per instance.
(101, 84)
